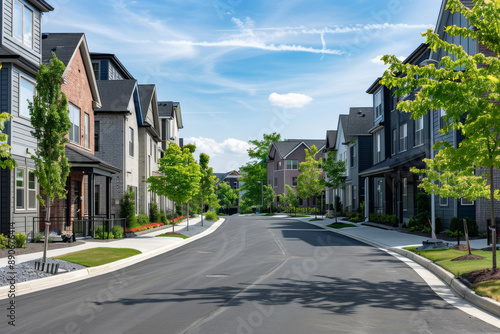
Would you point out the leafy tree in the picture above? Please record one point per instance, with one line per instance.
(127, 207)
(269, 195)
(309, 183)
(5, 157)
(335, 171)
(181, 176)
(256, 169)
(208, 181)
(468, 96)
(227, 194)
(51, 125)
(290, 197)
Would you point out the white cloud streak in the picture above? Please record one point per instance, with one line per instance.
(290, 100)
(213, 148)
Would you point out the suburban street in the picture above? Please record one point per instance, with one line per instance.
(253, 275)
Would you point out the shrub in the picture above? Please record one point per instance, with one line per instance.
(439, 224)
(154, 213)
(4, 241)
(117, 232)
(105, 235)
(211, 215)
(19, 240)
(458, 226)
(163, 218)
(39, 237)
(142, 219)
(127, 207)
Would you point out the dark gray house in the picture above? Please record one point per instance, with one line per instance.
(20, 54)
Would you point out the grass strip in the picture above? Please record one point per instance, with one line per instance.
(98, 256)
(173, 235)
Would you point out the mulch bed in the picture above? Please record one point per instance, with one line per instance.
(468, 257)
(38, 247)
(482, 275)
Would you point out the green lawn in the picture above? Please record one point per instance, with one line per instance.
(173, 235)
(299, 216)
(315, 219)
(98, 256)
(340, 225)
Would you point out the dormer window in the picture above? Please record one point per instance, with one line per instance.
(22, 24)
(378, 104)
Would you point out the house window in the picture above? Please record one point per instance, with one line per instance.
(443, 201)
(291, 164)
(23, 24)
(378, 104)
(86, 130)
(465, 201)
(405, 194)
(403, 137)
(294, 181)
(74, 117)
(131, 142)
(378, 147)
(394, 141)
(96, 68)
(275, 181)
(32, 200)
(20, 205)
(278, 165)
(26, 92)
(353, 155)
(442, 114)
(419, 131)
(97, 127)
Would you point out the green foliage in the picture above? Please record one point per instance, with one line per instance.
(127, 208)
(207, 182)
(163, 217)
(269, 195)
(245, 207)
(19, 240)
(334, 170)
(143, 219)
(117, 232)
(154, 213)
(211, 215)
(6, 160)
(290, 197)
(309, 183)
(227, 194)
(457, 226)
(51, 125)
(391, 220)
(4, 241)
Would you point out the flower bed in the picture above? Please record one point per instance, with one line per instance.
(150, 226)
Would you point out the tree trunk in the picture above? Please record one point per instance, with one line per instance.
(173, 220)
(493, 223)
(202, 209)
(47, 227)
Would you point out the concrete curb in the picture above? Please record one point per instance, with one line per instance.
(455, 284)
(78, 275)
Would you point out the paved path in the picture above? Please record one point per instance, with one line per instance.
(252, 275)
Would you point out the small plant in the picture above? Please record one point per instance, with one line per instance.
(19, 240)
(163, 218)
(154, 213)
(4, 241)
(117, 232)
(211, 215)
(143, 219)
(127, 207)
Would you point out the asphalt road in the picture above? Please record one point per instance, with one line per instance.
(253, 275)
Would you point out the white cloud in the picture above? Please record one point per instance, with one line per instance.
(290, 100)
(213, 148)
(378, 60)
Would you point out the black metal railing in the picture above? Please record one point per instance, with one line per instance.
(95, 227)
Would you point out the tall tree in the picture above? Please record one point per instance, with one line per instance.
(181, 176)
(51, 125)
(290, 197)
(208, 181)
(227, 194)
(334, 173)
(467, 88)
(309, 182)
(256, 169)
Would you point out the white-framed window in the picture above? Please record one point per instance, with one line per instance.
(443, 201)
(86, 130)
(378, 147)
(291, 164)
(405, 194)
(353, 155)
(74, 117)
(465, 201)
(378, 103)
(419, 132)
(394, 141)
(96, 67)
(26, 92)
(131, 142)
(403, 137)
(278, 165)
(25, 189)
(22, 23)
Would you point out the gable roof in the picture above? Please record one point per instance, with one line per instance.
(287, 147)
(42, 5)
(116, 95)
(223, 176)
(147, 94)
(167, 109)
(118, 64)
(331, 140)
(65, 46)
(357, 123)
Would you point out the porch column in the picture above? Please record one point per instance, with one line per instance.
(108, 197)
(367, 198)
(91, 195)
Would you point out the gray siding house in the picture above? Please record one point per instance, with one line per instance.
(20, 54)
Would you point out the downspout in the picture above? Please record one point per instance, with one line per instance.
(433, 196)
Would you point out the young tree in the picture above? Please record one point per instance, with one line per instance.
(269, 195)
(256, 169)
(181, 176)
(227, 194)
(469, 98)
(290, 197)
(127, 207)
(5, 157)
(309, 183)
(51, 125)
(208, 181)
(334, 170)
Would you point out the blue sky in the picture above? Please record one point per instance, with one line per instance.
(243, 68)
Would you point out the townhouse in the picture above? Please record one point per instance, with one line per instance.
(21, 55)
